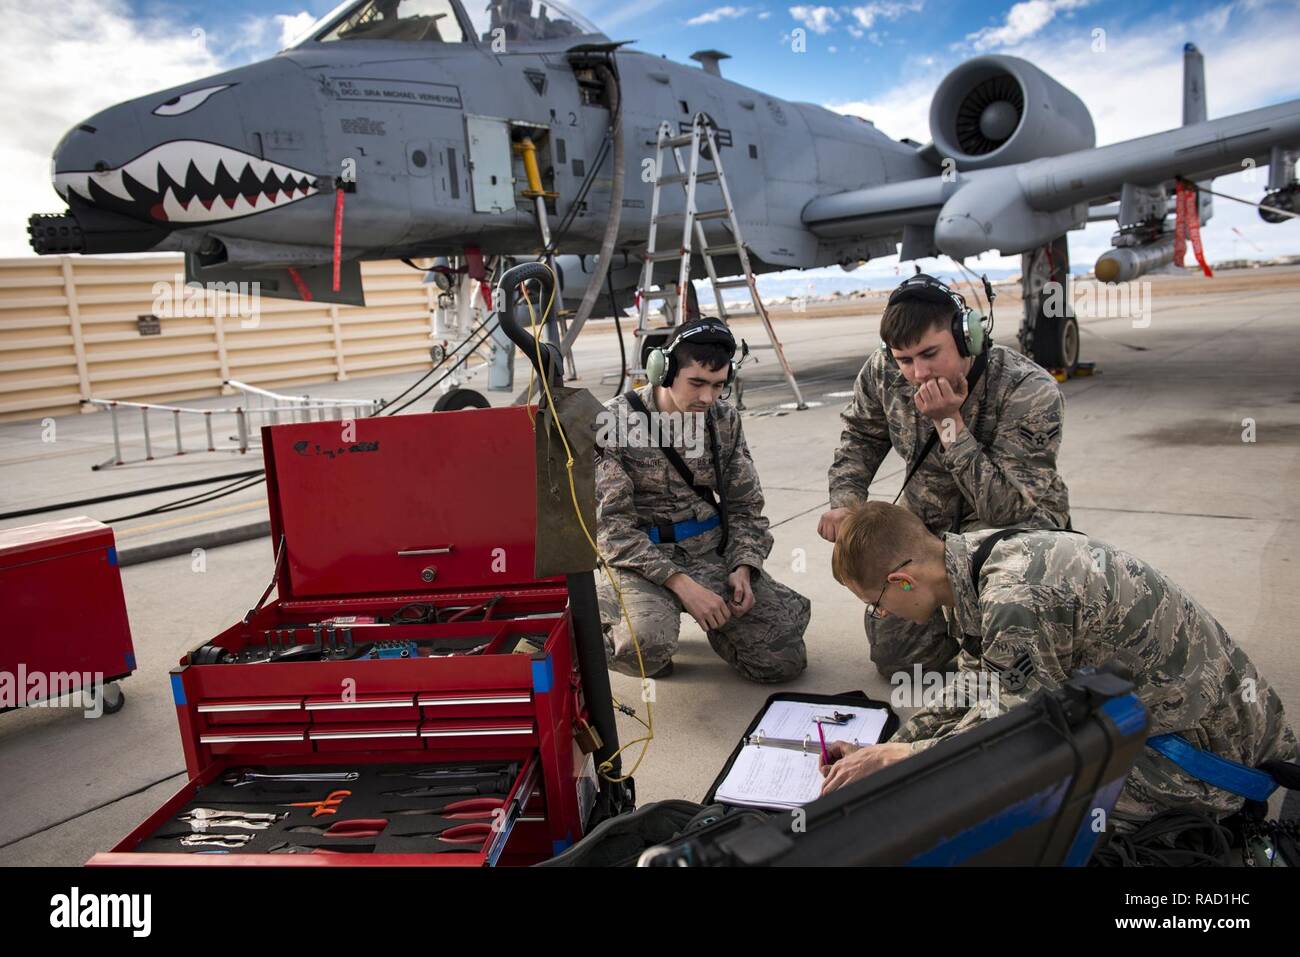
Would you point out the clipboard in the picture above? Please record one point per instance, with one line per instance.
(856, 699)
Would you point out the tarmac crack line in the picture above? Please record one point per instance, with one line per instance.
(90, 810)
(1157, 511)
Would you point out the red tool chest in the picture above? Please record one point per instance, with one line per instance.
(371, 519)
(63, 613)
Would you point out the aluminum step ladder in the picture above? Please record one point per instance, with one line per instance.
(702, 166)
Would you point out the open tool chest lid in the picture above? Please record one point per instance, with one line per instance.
(402, 504)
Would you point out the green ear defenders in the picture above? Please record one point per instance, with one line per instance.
(970, 327)
(661, 367)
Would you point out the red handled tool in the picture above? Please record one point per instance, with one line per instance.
(459, 808)
(460, 834)
(358, 827)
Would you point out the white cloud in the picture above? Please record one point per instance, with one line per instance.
(293, 27)
(765, 14)
(902, 111)
(1133, 89)
(62, 61)
(1023, 21)
(717, 14)
(867, 14)
(816, 19)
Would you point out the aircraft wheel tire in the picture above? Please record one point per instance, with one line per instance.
(458, 399)
(1056, 343)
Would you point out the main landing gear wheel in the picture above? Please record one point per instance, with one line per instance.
(458, 399)
(1049, 332)
(1056, 343)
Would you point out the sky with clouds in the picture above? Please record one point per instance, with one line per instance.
(63, 60)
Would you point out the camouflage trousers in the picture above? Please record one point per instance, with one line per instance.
(764, 644)
(897, 644)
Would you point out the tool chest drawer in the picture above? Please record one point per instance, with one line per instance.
(394, 735)
(324, 709)
(365, 810)
(267, 739)
(242, 702)
(474, 704)
(456, 732)
(244, 711)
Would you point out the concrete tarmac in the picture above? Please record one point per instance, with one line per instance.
(1153, 454)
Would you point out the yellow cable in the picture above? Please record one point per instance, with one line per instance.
(648, 724)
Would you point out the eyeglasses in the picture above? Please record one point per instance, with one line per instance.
(873, 608)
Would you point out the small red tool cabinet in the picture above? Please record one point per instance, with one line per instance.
(371, 519)
(64, 614)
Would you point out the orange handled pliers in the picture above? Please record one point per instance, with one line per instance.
(328, 806)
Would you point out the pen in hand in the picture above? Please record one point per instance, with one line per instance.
(826, 757)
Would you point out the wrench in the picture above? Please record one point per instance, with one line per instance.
(245, 776)
(211, 814)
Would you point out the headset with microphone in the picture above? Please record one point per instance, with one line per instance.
(661, 365)
(971, 329)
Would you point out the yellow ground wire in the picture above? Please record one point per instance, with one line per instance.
(648, 724)
(605, 766)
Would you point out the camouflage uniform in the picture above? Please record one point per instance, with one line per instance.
(637, 488)
(1052, 602)
(1000, 471)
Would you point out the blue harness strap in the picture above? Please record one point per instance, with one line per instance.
(681, 531)
(1222, 773)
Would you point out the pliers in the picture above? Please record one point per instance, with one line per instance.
(330, 805)
(452, 790)
(458, 834)
(474, 807)
(357, 827)
(202, 825)
(215, 840)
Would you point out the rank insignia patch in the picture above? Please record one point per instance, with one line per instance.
(1016, 676)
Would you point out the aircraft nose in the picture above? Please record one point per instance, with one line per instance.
(961, 235)
(185, 158)
(91, 150)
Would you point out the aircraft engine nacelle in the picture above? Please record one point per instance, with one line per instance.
(1287, 198)
(995, 110)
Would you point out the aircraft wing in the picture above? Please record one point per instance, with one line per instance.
(1021, 206)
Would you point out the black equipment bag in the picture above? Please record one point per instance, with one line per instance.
(1022, 788)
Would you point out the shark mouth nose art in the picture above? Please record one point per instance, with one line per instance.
(190, 181)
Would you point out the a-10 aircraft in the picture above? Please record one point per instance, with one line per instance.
(421, 112)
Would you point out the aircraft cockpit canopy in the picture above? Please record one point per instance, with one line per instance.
(525, 21)
(445, 21)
